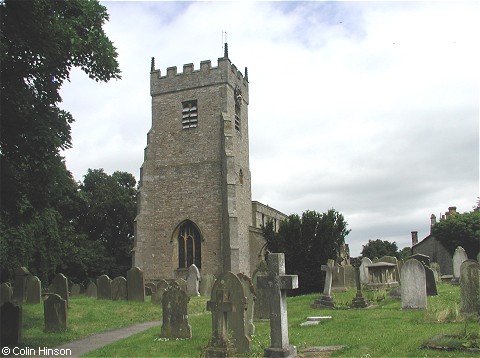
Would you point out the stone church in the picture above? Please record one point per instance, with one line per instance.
(194, 203)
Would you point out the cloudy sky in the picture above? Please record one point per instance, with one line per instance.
(370, 108)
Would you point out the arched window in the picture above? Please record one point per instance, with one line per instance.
(189, 245)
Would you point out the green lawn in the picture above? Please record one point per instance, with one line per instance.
(383, 331)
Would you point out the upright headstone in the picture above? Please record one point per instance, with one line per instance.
(430, 281)
(435, 266)
(228, 305)
(358, 301)
(91, 290)
(34, 290)
(175, 313)
(157, 297)
(11, 324)
(20, 285)
(470, 288)
(206, 284)
(338, 279)
(364, 270)
(458, 257)
(55, 313)
(119, 288)
(278, 283)
(6, 292)
(413, 288)
(150, 288)
(104, 288)
(182, 283)
(60, 286)
(325, 300)
(193, 281)
(262, 302)
(350, 280)
(75, 290)
(162, 284)
(135, 285)
(250, 295)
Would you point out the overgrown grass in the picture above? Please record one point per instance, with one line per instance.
(382, 331)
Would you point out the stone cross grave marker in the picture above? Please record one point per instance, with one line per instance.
(358, 301)
(104, 288)
(60, 286)
(414, 288)
(470, 288)
(278, 283)
(6, 292)
(228, 306)
(91, 290)
(326, 300)
(20, 285)
(175, 313)
(193, 281)
(458, 257)
(34, 290)
(135, 285)
(119, 288)
(11, 324)
(250, 295)
(55, 313)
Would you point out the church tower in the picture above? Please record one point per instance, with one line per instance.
(194, 203)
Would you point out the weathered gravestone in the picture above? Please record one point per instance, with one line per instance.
(326, 300)
(11, 324)
(91, 290)
(206, 284)
(392, 260)
(358, 301)
(350, 280)
(228, 306)
(20, 285)
(435, 266)
(60, 286)
(75, 290)
(338, 279)
(262, 302)
(135, 285)
(6, 292)
(470, 288)
(119, 288)
(104, 288)
(55, 313)
(278, 283)
(430, 283)
(175, 313)
(364, 270)
(250, 296)
(182, 283)
(162, 284)
(34, 290)
(157, 297)
(458, 257)
(150, 288)
(413, 288)
(193, 281)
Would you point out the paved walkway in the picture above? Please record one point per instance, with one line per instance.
(99, 340)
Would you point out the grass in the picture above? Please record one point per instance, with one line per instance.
(383, 331)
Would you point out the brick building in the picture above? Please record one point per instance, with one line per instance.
(194, 203)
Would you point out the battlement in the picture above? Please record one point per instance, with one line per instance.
(206, 75)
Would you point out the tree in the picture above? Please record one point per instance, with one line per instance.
(308, 242)
(41, 41)
(405, 253)
(379, 248)
(460, 230)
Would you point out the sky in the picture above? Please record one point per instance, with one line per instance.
(369, 108)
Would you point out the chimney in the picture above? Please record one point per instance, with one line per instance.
(414, 238)
(452, 210)
(433, 221)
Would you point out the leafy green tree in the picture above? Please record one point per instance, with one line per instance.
(460, 230)
(40, 42)
(308, 242)
(405, 253)
(379, 248)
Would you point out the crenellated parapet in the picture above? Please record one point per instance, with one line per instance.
(206, 75)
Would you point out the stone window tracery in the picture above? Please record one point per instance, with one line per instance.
(189, 246)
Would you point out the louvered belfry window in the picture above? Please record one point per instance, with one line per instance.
(189, 114)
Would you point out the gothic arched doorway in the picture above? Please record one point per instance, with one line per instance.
(189, 245)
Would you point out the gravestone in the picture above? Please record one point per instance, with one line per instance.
(458, 257)
(162, 284)
(175, 313)
(150, 288)
(182, 283)
(34, 290)
(55, 313)
(262, 302)
(278, 283)
(104, 288)
(338, 279)
(228, 306)
(119, 288)
(358, 301)
(6, 293)
(157, 297)
(350, 280)
(325, 300)
(364, 270)
(20, 285)
(431, 285)
(470, 288)
(11, 324)
(135, 285)
(424, 259)
(250, 295)
(75, 290)
(91, 290)
(413, 289)
(206, 284)
(193, 281)
(435, 266)
(392, 260)
(60, 286)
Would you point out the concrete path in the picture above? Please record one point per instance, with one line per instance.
(99, 340)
